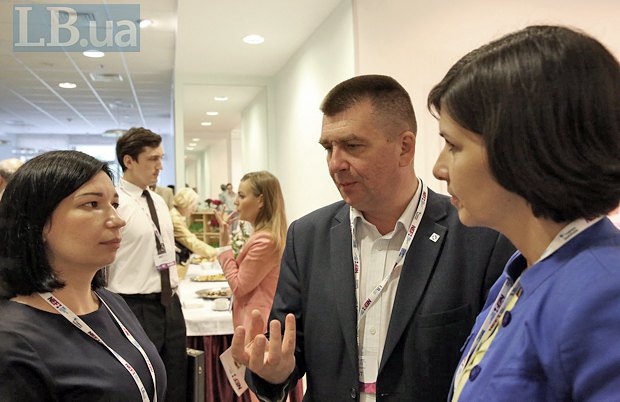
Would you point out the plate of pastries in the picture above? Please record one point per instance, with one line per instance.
(209, 278)
(214, 293)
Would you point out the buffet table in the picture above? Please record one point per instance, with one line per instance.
(200, 317)
(211, 331)
(208, 330)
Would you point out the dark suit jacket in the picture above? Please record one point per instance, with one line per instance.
(442, 287)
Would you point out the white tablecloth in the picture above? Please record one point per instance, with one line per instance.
(200, 318)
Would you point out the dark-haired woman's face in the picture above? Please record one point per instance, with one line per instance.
(463, 165)
(84, 232)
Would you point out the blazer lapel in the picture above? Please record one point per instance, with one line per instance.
(417, 271)
(341, 263)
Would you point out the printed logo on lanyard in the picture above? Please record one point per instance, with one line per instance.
(82, 326)
(374, 295)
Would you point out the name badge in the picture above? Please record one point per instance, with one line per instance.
(235, 372)
(164, 261)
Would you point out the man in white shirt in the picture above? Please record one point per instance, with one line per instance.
(384, 286)
(144, 271)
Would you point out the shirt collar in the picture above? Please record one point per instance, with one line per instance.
(131, 188)
(405, 219)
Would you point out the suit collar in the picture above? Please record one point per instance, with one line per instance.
(418, 268)
(342, 275)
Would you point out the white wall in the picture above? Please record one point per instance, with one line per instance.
(297, 159)
(417, 41)
(218, 167)
(254, 137)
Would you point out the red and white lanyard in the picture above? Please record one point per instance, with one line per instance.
(512, 289)
(82, 326)
(374, 295)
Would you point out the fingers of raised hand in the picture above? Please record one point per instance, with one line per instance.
(238, 346)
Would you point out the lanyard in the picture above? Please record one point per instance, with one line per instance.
(374, 295)
(148, 215)
(82, 326)
(510, 290)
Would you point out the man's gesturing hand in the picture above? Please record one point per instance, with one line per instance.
(273, 359)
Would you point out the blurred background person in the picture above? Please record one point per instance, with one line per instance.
(7, 168)
(228, 198)
(253, 275)
(58, 229)
(531, 124)
(185, 203)
(166, 193)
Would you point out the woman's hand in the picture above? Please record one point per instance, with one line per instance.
(224, 220)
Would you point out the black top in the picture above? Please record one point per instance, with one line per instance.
(43, 357)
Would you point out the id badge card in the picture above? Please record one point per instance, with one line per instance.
(235, 372)
(164, 261)
(368, 364)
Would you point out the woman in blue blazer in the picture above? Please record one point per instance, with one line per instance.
(531, 124)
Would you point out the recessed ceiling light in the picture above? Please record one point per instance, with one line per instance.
(206, 123)
(93, 53)
(196, 139)
(189, 148)
(192, 144)
(253, 39)
(67, 85)
(146, 23)
(212, 113)
(220, 98)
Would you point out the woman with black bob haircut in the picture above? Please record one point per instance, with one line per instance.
(531, 124)
(62, 335)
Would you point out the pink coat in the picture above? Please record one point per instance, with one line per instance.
(253, 277)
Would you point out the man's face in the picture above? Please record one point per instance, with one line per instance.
(144, 171)
(362, 162)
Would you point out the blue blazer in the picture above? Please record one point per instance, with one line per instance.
(442, 288)
(562, 341)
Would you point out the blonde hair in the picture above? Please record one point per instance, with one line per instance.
(185, 197)
(271, 217)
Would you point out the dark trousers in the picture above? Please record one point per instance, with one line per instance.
(165, 326)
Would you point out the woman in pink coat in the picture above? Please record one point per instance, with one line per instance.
(253, 275)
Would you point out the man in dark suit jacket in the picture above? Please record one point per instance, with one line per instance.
(428, 302)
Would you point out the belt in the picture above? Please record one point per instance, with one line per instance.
(144, 296)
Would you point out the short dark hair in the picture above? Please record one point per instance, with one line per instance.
(132, 143)
(29, 200)
(392, 108)
(546, 101)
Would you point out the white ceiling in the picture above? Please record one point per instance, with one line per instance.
(198, 37)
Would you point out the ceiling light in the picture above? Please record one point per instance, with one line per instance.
(67, 85)
(196, 139)
(253, 39)
(220, 98)
(206, 123)
(114, 133)
(192, 144)
(212, 113)
(93, 53)
(145, 23)
(189, 148)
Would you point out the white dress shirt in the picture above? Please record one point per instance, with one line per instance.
(378, 254)
(133, 271)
